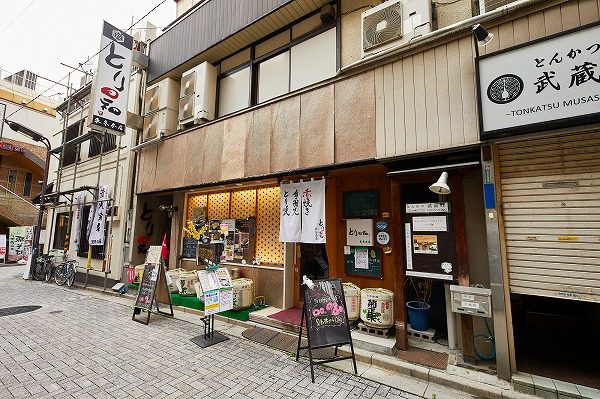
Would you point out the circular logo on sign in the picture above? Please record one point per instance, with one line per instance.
(383, 238)
(381, 225)
(505, 89)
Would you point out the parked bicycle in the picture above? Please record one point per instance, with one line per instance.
(43, 267)
(485, 344)
(65, 272)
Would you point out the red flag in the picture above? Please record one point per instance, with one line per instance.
(164, 252)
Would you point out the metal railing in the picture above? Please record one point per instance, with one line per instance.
(17, 209)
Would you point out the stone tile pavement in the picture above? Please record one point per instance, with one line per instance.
(82, 346)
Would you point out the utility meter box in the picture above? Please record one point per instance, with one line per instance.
(471, 300)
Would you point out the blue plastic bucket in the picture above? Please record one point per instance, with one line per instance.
(418, 315)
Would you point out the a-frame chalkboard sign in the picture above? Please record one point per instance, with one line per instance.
(326, 319)
(153, 277)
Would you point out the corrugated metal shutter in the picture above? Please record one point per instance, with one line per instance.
(551, 211)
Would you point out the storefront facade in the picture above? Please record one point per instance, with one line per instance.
(543, 150)
(380, 131)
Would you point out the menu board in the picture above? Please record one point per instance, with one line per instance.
(189, 247)
(147, 287)
(361, 204)
(326, 315)
(218, 290)
(356, 264)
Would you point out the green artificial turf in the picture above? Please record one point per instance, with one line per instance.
(194, 303)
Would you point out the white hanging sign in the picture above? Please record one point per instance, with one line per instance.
(290, 222)
(312, 207)
(78, 201)
(99, 221)
(111, 82)
(430, 223)
(359, 232)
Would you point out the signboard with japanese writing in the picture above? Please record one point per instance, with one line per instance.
(20, 240)
(10, 147)
(548, 83)
(359, 232)
(99, 221)
(302, 212)
(147, 288)
(111, 82)
(78, 201)
(361, 204)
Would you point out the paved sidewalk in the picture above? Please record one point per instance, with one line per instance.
(84, 346)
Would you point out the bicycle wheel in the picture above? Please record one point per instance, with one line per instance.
(38, 270)
(484, 347)
(48, 269)
(60, 274)
(72, 270)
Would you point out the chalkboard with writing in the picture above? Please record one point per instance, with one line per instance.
(189, 247)
(326, 319)
(373, 269)
(147, 289)
(361, 204)
(146, 300)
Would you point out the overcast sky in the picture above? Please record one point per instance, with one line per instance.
(40, 34)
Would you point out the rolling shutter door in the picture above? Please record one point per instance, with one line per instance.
(550, 191)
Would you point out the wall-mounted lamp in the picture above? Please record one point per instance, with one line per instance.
(481, 34)
(441, 186)
(170, 209)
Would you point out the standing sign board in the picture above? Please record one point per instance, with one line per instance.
(547, 83)
(3, 248)
(154, 275)
(217, 287)
(326, 319)
(110, 89)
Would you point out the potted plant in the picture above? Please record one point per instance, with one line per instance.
(418, 311)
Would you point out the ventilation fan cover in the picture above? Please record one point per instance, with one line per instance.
(382, 25)
(151, 99)
(186, 108)
(188, 85)
(150, 126)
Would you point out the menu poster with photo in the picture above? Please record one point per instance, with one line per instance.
(224, 278)
(226, 299)
(208, 280)
(425, 244)
(153, 254)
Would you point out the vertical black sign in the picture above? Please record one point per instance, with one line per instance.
(326, 321)
(146, 297)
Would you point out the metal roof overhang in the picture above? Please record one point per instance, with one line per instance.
(217, 29)
(453, 158)
(75, 141)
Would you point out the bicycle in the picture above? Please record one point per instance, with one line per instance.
(49, 267)
(485, 344)
(39, 267)
(65, 272)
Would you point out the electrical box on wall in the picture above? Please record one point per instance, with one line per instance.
(394, 22)
(474, 301)
(197, 95)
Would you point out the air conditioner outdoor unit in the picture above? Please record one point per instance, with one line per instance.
(394, 22)
(162, 95)
(164, 121)
(197, 95)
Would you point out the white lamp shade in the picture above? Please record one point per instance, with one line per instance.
(441, 186)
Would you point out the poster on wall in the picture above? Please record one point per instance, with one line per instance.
(359, 232)
(425, 244)
(313, 212)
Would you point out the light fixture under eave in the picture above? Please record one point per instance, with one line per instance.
(441, 186)
(482, 35)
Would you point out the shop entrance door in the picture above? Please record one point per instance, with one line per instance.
(313, 263)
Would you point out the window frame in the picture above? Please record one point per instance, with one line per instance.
(66, 231)
(27, 184)
(255, 61)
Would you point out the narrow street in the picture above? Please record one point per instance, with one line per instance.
(83, 346)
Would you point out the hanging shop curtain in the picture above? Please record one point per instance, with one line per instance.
(303, 212)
